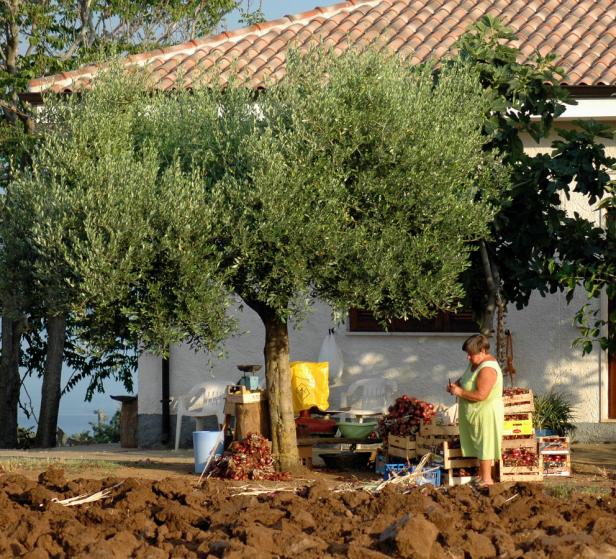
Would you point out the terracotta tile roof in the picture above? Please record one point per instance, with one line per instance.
(581, 32)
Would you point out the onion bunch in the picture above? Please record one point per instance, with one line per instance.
(248, 459)
(405, 416)
(520, 457)
(515, 391)
(516, 417)
(556, 462)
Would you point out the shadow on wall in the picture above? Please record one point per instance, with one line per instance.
(421, 367)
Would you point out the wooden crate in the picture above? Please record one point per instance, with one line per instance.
(553, 444)
(519, 403)
(452, 457)
(424, 445)
(305, 455)
(452, 478)
(564, 469)
(521, 427)
(401, 447)
(434, 430)
(241, 395)
(520, 473)
(528, 441)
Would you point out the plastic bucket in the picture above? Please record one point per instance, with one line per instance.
(544, 433)
(203, 443)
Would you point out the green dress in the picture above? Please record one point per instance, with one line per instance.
(481, 423)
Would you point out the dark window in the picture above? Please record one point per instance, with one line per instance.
(461, 321)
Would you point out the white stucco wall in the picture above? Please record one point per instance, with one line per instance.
(589, 383)
(420, 364)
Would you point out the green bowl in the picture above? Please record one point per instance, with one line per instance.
(352, 430)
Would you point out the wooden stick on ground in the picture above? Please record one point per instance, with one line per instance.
(86, 498)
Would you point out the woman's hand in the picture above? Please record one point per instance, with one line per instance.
(454, 390)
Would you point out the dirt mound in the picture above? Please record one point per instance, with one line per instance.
(172, 518)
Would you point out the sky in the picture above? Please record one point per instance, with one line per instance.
(76, 414)
(273, 9)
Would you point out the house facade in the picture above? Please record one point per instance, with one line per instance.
(423, 357)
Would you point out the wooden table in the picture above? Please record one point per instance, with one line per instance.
(305, 441)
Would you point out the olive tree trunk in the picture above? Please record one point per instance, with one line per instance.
(10, 383)
(278, 377)
(50, 392)
(494, 304)
(487, 318)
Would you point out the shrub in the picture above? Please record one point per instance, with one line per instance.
(554, 411)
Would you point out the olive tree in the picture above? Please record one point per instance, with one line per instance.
(46, 37)
(356, 179)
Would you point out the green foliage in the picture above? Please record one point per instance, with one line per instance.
(554, 411)
(250, 15)
(107, 217)
(398, 158)
(108, 432)
(45, 37)
(597, 274)
(356, 179)
(100, 433)
(535, 244)
(91, 359)
(48, 37)
(25, 437)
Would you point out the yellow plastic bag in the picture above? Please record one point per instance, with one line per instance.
(310, 385)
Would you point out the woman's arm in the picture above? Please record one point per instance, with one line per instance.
(486, 379)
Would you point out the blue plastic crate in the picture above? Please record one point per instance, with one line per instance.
(395, 469)
(379, 464)
(430, 475)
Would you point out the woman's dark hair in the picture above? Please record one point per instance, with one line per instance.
(475, 344)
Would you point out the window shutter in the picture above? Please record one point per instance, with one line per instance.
(363, 321)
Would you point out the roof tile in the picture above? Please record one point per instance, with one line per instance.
(580, 32)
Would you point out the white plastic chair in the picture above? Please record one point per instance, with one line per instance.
(201, 401)
(375, 394)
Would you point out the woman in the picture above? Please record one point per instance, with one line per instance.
(481, 411)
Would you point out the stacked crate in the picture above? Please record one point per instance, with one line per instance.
(401, 447)
(444, 440)
(554, 456)
(520, 460)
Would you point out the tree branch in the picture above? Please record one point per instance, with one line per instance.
(15, 113)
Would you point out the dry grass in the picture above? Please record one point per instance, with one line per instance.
(11, 465)
(564, 491)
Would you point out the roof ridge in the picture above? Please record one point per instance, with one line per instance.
(187, 47)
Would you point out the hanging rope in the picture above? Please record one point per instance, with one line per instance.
(501, 352)
(509, 368)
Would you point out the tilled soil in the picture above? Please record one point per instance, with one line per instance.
(173, 518)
